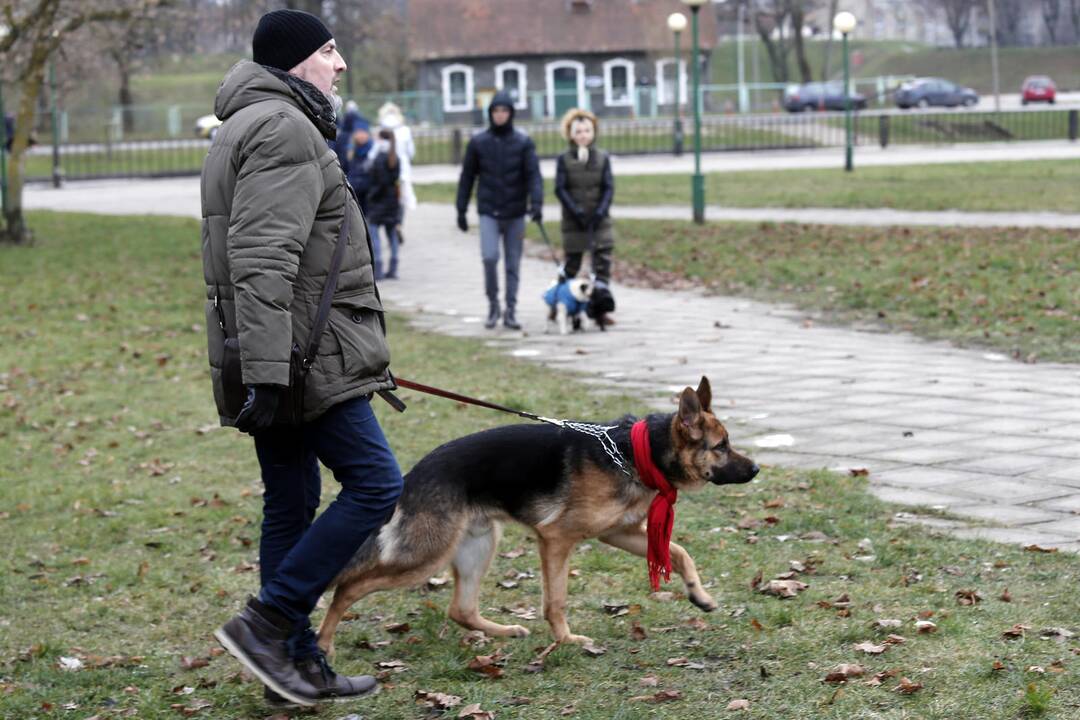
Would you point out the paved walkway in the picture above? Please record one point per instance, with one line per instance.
(180, 196)
(964, 430)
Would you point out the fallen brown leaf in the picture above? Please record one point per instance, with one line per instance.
(907, 687)
(437, 700)
(845, 671)
(1016, 631)
(870, 648)
(740, 704)
(474, 712)
(784, 588)
(659, 697)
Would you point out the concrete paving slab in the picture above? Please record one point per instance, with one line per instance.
(1008, 515)
(1010, 490)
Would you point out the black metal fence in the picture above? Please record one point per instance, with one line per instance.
(621, 137)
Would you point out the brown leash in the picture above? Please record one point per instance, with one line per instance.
(428, 389)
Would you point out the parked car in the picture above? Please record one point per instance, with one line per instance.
(936, 92)
(1038, 88)
(206, 126)
(820, 96)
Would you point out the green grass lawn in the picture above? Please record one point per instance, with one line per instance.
(130, 526)
(1010, 289)
(1020, 186)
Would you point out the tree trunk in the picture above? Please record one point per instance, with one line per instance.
(1074, 15)
(958, 15)
(776, 49)
(125, 98)
(829, 43)
(797, 40)
(1051, 12)
(15, 230)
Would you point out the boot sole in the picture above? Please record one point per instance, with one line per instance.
(287, 705)
(234, 650)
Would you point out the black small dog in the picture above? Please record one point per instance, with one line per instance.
(601, 302)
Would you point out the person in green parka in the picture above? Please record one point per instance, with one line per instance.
(585, 188)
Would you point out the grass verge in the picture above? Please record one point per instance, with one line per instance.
(131, 527)
(1009, 289)
(1039, 185)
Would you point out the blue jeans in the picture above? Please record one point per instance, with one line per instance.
(299, 554)
(376, 244)
(512, 233)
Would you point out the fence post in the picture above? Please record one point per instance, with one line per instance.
(883, 130)
(1074, 121)
(455, 146)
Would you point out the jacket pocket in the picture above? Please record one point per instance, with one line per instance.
(364, 350)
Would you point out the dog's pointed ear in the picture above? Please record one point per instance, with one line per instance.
(690, 414)
(704, 394)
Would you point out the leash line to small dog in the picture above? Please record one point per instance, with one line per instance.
(600, 432)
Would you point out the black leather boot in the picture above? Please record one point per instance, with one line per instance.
(257, 638)
(493, 316)
(509, 321)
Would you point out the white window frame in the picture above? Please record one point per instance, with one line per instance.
(549, 77)
(661, 83)
(449, 70)
(522, 101)
(609, 98)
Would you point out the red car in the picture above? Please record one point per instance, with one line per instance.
(1038, 88)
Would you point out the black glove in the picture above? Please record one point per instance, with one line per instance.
(536, 214)
(594, 221)
(462, 223)
(581, 218)
(258, 411)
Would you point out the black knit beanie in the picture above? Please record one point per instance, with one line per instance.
(285, 38)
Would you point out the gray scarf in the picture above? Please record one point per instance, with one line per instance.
(312, 101)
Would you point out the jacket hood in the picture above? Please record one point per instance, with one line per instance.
(502, 98)
(247, 83)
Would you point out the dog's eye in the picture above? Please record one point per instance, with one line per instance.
(721, 446)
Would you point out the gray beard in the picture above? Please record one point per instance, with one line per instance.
(337, 103)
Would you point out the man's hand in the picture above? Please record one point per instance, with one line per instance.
(536, 214)
(258, 411)
(462, 223)
(593, 221)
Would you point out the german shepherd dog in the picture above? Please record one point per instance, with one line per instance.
(559, 482)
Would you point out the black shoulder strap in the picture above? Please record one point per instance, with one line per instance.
(329, 289)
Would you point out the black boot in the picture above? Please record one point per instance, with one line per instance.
(257, 638)
(509, 321)
(330, 686)
(493, 316)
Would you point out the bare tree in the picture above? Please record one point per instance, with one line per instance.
(1074, 15)
(1051, 13)
(36, 29)
(779, 24)
(1010, 13)
(833, 5)
(957, 15)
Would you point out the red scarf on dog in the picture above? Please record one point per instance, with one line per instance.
(661, 511)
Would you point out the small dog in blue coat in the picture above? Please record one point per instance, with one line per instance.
(566, 300)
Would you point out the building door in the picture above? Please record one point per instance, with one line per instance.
(566, 89)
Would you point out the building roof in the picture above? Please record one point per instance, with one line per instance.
(445, 29)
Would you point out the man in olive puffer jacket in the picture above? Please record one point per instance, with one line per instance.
(274, 200)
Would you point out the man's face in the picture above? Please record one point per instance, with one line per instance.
(582, 132)
(500, 114)
(322, 69)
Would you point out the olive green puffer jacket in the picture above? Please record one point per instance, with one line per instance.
(273, 201)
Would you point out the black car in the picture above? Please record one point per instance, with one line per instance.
(934, 92)
(820, 96)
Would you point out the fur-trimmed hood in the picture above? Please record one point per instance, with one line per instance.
(577, 113)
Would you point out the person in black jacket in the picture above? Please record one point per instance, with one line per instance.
(383, 202)
(509, 185)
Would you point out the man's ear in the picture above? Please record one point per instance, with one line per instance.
(690, 414)
(704, 394)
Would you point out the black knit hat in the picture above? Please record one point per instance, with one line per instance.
(285, 38)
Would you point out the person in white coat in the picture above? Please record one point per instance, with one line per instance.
(390, 117)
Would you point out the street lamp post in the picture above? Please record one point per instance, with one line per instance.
(3, 146)
(844, 23)
(697, 182)
(676, 22)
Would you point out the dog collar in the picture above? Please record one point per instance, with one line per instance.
(661, 518)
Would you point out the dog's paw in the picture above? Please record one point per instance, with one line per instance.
(518, 631)
(575, 640)
(705, 604)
